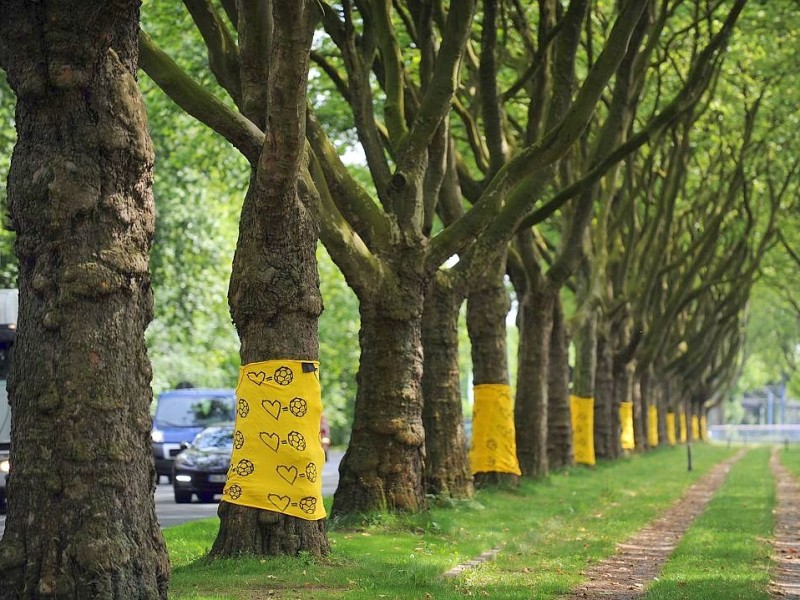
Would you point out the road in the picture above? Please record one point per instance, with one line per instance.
(169, 513)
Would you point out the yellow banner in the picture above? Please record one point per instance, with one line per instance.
(683, 426)
(671, 437)
(277, 454)
(626, 420)
(582, 414)
(704, 428)
(493, 448)
(652, 426)
(695, 428)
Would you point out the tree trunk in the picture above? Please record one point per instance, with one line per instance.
(487, 308)
(583, 390)
(530, 411)
(81, 515)
(446, 465)
(274, 291)
(604, 401)
(661, 402)
(384, 464)
(639, 416)
(623, 392)
(559, 427)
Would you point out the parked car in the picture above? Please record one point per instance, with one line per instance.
(183, 413)
(201, 468)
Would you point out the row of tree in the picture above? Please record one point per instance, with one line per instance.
(625, 165)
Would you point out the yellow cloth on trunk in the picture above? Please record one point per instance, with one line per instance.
(704, 428)
(582, 414)
(683, 426)
(671, 437)
(695, 428)
(626, 420)
(277, 454)
(652, 425)
(493, 448)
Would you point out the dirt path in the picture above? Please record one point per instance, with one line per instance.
(639, 559)
(785, 574)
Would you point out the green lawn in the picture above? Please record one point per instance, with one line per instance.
(790, 458)
(725, 555)
(550, 530)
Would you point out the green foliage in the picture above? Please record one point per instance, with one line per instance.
(8, 136)
(550, 529)
(338, 348)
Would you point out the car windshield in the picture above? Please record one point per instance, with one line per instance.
(220, 438)
(194, 411)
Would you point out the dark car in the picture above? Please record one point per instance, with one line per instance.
(183, 413)
(202, 467)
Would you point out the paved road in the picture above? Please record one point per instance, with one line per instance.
(170, 513)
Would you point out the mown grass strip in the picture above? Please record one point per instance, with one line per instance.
(790, 458)
(552, 528)
(725, 555)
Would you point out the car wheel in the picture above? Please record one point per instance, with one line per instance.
(182, 497)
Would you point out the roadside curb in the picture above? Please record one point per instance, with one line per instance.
(475, 562)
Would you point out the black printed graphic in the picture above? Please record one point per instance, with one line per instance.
(311, 472)
(288, 474)
(296, 440)
(491, 444)
(245, 468)
(271, 440)
(238, 440)
(235, 491)
(308, 504)
(258, 377)
(298, 407)
(273, 408)
(283, 376)
(243, 408)
(279, 502)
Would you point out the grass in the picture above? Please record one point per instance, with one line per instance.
(725, 555)
(550, 530)
(790, 458)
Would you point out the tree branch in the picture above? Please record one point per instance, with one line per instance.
(198, 102)
(223, 56)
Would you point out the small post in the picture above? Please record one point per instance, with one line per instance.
(688, 456)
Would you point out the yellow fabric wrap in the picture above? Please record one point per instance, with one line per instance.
(703, 428)
(582, 414)
(277, 454)
(695, 427)
(493, 448)
(652, 425)
(671, 438)
(683, 426)
(626, 420)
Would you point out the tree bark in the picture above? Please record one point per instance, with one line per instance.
(274, 291)
(639, 416)
(446, 466)
(487, 308)
(81, 515)
(604, 401)
(384, 463)
(530, 411)
(559, 425)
